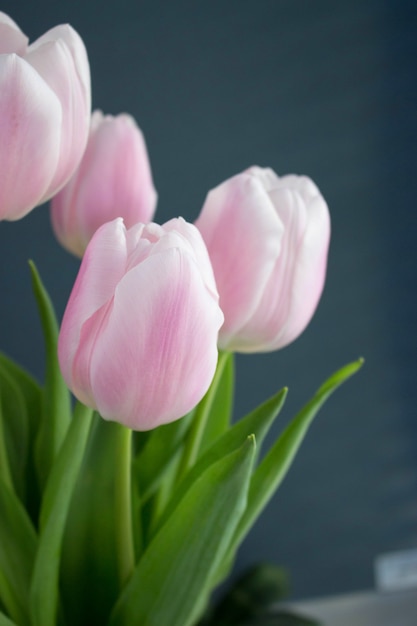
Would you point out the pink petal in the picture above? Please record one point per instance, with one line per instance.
(243, 245)
(156, 355)
(30, 128)
(11, 37)
(115, 177)
(59, 57)
(103, 266)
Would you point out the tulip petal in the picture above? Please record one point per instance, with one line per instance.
(117, 155)
(30, 118)
(227, 224)
(54, 61)
(11, 37)
(192, 237)
(275, 307)
(157, 350)
(103, 266)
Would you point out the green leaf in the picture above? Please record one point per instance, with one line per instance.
(54, 511)
(257, 423)
(14, 434)
(203, 414)
(56, 412)
(17, 551)
(5, 621)
(173, 576)
(154, 460)
(89, 554)
(274, 466)
(31, 395)
(221, 405)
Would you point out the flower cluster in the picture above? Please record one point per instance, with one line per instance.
(100, 524)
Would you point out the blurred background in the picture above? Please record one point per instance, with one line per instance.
(322, 88)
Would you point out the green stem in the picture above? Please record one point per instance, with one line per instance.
(123, 502)
(195, 436)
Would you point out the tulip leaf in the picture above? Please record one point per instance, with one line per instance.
(257, 423)
(17, 551)
(31, 394)
(5, 621)
(221, 405)
(202, 415)
(56, 413)
(89, 554)
(154, 460)
(15, 433)
(173, 576)
(54, 512)
(274, 466)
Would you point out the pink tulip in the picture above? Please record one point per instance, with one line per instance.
(45, 103)
(267, 239)
(113, 180)
(138, 340)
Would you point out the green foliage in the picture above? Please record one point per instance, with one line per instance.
(97, 527)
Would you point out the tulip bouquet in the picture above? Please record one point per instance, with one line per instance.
(126, 506)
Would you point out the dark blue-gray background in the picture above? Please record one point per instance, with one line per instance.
(321, 88)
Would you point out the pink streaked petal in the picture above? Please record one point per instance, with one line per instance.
(54, 62)
(158, 349)
(194, 239)
(76, 47)
(30, 122)
(103, 266)
(307, 189)
(274, 308)
(79, 376)
(241, 229)
(117, 155)
(265, 175)
(11, 37)
(310, 274)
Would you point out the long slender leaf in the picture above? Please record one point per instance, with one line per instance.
(89, 573)
(202, 415)
(221, 406)
(5, 621)
(257, 423)
(174, 573)
(54, 511)
(56, 412)
(154, 460)
(15, 431)
(17, 551)
(274, 466)
(31, 394)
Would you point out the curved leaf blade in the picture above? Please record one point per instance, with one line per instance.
(56, 412)
(17, 552)
(189, 548)
(54, 511)
(274, 466)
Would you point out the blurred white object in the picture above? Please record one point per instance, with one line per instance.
(396, 571)
(363, 609)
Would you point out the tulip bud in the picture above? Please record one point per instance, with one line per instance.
(138, 340)
(268, 240)
(45, 102)
(113, 180)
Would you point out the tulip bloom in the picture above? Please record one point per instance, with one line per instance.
(268, 240)
(45, 102)
(113, 180)
(138, 340)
